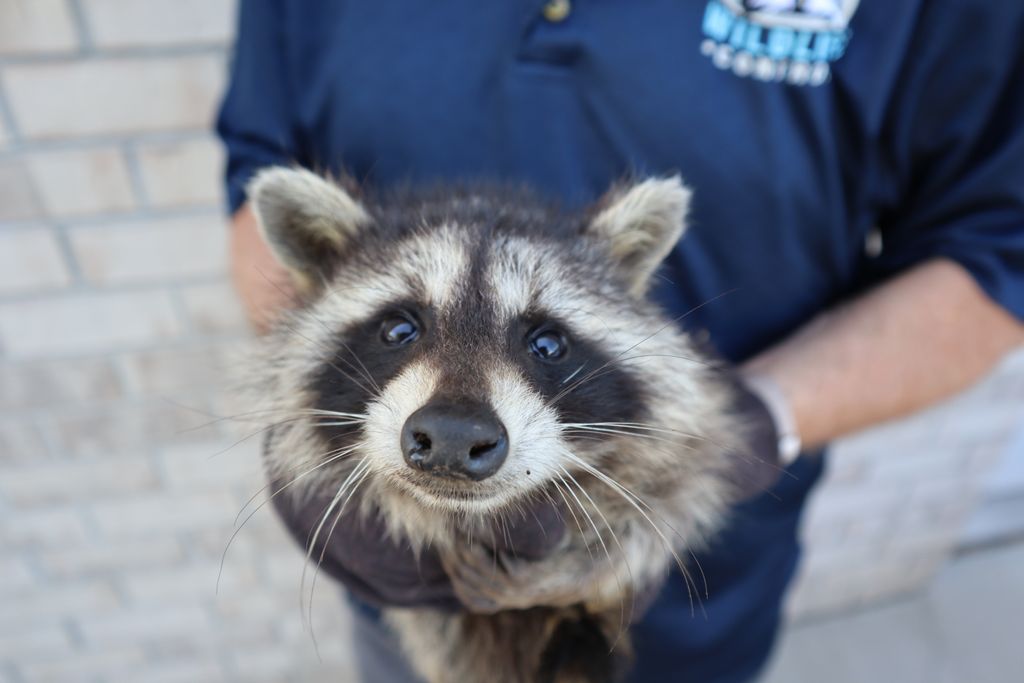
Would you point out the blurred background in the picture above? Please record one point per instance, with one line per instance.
(119, 489)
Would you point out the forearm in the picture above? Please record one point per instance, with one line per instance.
(260, 281)
(910, 342)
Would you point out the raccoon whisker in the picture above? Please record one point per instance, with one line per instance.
(356, 472)
(645, 427)
(584, 512)
(333, 354)
(347, 423)
(332, 456)
(642, 341)
(689, 359)
(240, 417)
(239, 528)
(632, 435)
(575, 372)
(323, 552)
(625, 561)
(670, 449)
(296, 417)
(505, 535)
(635, 501)
(361, 370)
(336, 413)
(574, 517)
(328, 361)
(365, 370)
(609, 368)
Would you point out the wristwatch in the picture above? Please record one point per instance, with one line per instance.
(770, 393)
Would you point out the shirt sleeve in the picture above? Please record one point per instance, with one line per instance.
(955, 147)
(255, 121)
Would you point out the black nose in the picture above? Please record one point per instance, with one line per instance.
(465, 441)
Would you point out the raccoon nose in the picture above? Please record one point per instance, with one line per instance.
(455, 440)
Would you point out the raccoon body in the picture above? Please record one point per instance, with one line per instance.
(462, 353)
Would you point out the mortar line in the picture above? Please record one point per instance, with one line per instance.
(131, 159)
(89, 55)
(112, 139)
(78, 17)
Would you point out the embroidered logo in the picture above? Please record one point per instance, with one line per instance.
(785, 41)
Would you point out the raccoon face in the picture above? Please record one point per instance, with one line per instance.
(468, 349)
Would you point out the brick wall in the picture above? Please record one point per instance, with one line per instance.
(118, 491)
(115, 315)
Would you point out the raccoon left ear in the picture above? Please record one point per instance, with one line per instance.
(306, 219)
(640, 224)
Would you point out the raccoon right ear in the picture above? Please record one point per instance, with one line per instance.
(305, 219)
(639, 224)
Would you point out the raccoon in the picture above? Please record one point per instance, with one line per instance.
(463, 352)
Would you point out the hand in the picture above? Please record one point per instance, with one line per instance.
(757, 463)
(260, 280)
(385, 573)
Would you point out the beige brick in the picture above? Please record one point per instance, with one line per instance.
(51, 383)
(20, 441)
(214, 465)
(165, 513)
(63, 600)
(69, 482)
(116, 23)
(77, 182)
(15, 575)
(132, 559)
(157, 249)
(182, 173)
(34, 643)
(263, 664)
(59, 526)
(190, 668)
(18, 200)
(143, 625)
(191, 583)
(78, 324)
(30, 260)
(115, 663)
(214, 309)
(113, 95)
(35, 26)
(167, 371)
(129, 430)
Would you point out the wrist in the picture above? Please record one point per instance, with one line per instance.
(789, 442)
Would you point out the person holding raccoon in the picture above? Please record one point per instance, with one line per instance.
(856, 248)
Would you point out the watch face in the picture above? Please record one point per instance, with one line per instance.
(789, 448)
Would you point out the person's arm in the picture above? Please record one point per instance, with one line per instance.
(916, 339)
(262, 283)
(256, 125)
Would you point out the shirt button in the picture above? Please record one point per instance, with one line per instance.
(557, 10)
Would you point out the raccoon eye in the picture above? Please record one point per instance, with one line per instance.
(547, 344)
(398, 330)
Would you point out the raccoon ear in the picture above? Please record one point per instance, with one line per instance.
(305, 219)
(640, 224)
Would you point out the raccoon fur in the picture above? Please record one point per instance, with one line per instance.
(462, 352)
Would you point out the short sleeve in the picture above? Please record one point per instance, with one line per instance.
(955, 147)
(255, 121)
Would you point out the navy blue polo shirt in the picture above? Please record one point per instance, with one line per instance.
(829, 144)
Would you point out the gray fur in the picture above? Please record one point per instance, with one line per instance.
(454, 250)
